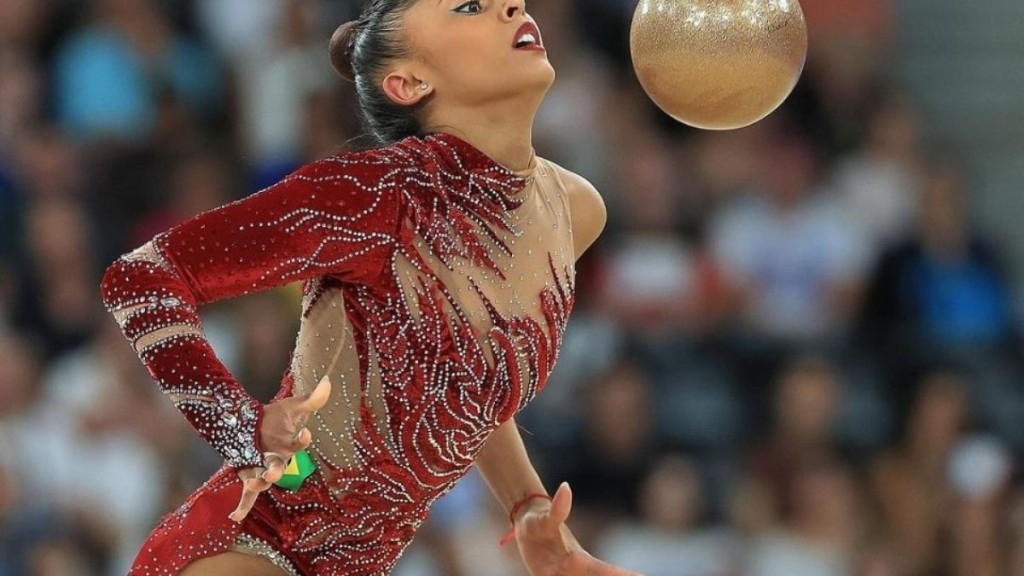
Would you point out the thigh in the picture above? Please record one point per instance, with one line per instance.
(232, 564)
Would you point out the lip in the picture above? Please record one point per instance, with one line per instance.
(528, 27)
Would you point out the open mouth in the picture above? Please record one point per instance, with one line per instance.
(528, 37)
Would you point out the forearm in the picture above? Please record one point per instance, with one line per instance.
(158, 314)
(506, 467)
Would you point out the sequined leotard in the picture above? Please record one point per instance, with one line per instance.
(437, 285)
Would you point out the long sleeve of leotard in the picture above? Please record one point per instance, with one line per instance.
(331, 217)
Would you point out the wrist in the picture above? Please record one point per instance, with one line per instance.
(535, 501)
(244, 448)
(529, 503)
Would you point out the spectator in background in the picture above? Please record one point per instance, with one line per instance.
(13, 17)
(56, 294)
(47, 166)
(791, 256)
(849, 58)
(117, 76)
(672, 537)
(287, 111)
(35, 535)
(23, 23)
(911, 482)
(725, 164)
(275, 83)
(39, 165)
(943, 289)
(617, 447)
(879, 185)
(821, 536)
(653, 284)
(806, 403)
(942, 295)
(99, 416)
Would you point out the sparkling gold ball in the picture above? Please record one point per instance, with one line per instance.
(718, 64)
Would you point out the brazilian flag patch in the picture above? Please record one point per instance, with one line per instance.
(298, 469)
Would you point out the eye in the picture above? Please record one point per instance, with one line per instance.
(471, 7)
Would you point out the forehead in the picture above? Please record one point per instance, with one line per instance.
(428, 8)
(431, 12)
(422, 20)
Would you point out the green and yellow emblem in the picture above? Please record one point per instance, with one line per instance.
(298, 469)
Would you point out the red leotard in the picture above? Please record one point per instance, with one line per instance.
(437, 285)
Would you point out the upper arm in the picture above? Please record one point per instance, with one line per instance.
(323, 219)
(587, 210)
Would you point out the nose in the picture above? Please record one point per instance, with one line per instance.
(512, 7)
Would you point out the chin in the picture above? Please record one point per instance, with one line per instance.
(551, 75)
(537, 81)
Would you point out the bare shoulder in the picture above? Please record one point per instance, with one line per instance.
(587, 210)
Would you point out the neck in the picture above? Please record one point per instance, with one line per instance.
(505, 135)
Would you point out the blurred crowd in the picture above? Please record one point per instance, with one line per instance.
(794, 352)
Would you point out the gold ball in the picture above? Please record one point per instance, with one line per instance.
(718, 64)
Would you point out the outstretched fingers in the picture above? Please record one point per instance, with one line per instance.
(561, 504)
(316, 399)
(275, 467)
(303, 439)
(251, 489)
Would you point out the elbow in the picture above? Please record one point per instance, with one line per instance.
(114, 285)
(133, 281)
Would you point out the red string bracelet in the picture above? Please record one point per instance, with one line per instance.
(512, 515)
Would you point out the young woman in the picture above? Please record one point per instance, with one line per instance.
(437, 273)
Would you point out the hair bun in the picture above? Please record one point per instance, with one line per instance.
(342, 42)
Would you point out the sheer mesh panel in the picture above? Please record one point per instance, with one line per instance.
(326, 346)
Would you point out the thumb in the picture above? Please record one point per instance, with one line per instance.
(317, 399)
(561, 504)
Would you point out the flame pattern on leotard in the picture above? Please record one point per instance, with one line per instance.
(437, 286)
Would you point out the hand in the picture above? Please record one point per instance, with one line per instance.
(548, 547)
(282, 432)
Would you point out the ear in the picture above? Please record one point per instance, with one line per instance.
(405, 89)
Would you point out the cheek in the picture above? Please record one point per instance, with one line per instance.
(470, 67)
(465, 60)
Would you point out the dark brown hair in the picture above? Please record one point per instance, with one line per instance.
(360, 51)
